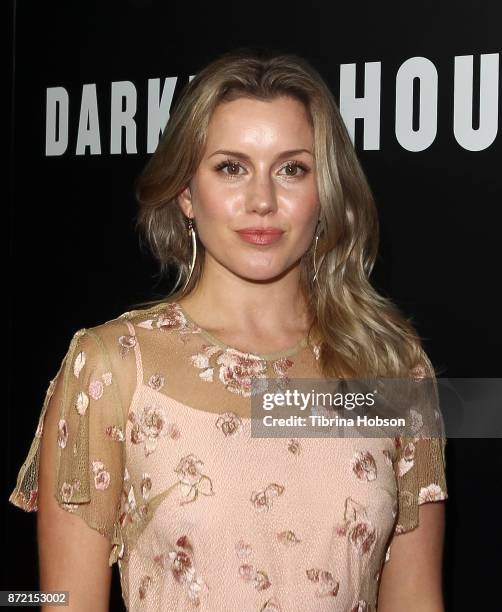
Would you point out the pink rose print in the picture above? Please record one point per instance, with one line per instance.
(79, 363)
(328, 586)
(191, 478)
(156, 382)
(107, 378)
(151, 426)
(364, 466)
(82, 403)
(407, 459)
(181, 564)
(432, 492)
(263, 499)
(144, 585)
(101, 476)
(96, 389)
(229, 423)
(294, 446)
(237, 370)
(115, 433)
(356, 526)
(126, 343)
(62, 433)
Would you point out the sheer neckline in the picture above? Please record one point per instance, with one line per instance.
(288, 352)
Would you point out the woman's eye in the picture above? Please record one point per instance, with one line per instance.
(292, 169)
(233, 168)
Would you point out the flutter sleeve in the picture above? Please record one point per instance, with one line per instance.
(89, 437)
(420, 461)
(420, 474)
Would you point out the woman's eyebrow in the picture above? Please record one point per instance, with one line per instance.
(240, 155)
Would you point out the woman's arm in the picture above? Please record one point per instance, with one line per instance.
(72, 556)
(412, 578)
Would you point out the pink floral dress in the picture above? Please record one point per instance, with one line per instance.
(155, 452)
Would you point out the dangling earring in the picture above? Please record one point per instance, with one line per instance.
(315, 252)
(191, 233)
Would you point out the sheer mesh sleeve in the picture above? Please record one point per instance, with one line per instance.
(420, 471)
(88, 435)
(420, 461)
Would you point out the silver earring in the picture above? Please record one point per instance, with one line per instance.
(315, 252)
(191, 234)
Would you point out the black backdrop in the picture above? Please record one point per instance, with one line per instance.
(76, 261)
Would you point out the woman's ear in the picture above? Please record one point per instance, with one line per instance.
(185, 202)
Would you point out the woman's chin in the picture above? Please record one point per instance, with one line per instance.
(260, 275)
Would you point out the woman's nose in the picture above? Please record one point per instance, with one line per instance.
(261, 197)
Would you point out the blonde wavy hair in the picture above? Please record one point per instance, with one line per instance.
(360, 332)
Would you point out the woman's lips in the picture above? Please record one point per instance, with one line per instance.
(260, 236)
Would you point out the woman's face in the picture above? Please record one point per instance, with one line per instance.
(257, 172)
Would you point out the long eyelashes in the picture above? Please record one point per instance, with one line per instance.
(236, 164)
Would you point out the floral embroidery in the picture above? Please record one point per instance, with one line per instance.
(79, 363)
(27, 502)
(67, 490)
(146, 486)
(151, 426)
(242, 549)
(201, 361)
(263, 499)
(96, 389)
(62, 433)
(107, 378)
(192, 480)
(144, 585)
(115, 433)
(180, 562)
(170, 318)
(288, 538)
(432, 492)
(126, 343)
(280, 367)
(101, 476)
(364, 466)
(363, 536)
(229, 423)
(360, 531)
(156, 382)
(258, 578)
(33, 499)
(294, 446)
(329, 586)
(82, 402)
(238, 369)
(407, 460)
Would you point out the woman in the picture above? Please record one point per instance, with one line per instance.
(256, 196)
